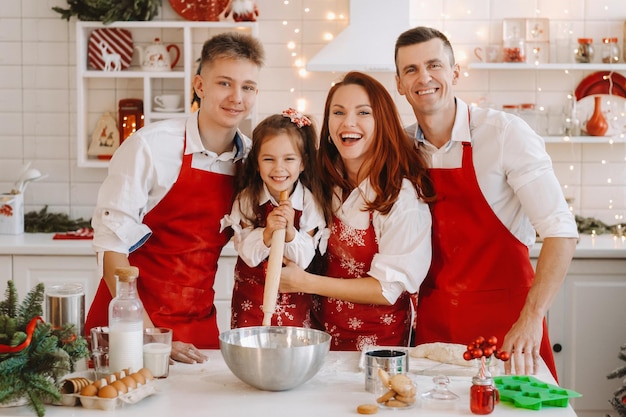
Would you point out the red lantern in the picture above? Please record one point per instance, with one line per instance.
(130, 116)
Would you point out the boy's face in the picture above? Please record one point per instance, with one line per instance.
(227, 89)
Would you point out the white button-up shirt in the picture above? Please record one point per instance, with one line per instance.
(141, 173)
(403, 235)
(249, 243)
(513, 169)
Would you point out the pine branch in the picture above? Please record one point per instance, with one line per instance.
(31, 306)
(9, 305)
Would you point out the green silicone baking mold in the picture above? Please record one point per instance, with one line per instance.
(532, 393)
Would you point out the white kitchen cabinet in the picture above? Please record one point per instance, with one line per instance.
(6, 270)
(224, 281)
(586, 322)
(29, 270)
(99, 91)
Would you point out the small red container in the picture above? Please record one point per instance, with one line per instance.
(483, 395)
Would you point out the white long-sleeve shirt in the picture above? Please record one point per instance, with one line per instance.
(141, 173)
(403, 235)
(513, 169)
(249, 243)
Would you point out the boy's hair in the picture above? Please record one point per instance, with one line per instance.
(249, 183)
(233, 45)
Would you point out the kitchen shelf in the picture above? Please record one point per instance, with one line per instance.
(586, 139)
(98, 91)
(563, 66)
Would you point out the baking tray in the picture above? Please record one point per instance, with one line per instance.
(531, 393)
(600, 83)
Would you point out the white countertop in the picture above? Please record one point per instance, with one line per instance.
(338, 388)
(44, 244)
(602, 246)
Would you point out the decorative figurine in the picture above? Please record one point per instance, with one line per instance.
(105, 138)
(242, 10)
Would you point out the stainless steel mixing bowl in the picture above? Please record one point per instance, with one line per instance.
(274, 358)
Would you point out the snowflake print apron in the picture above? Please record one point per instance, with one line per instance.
(357, 326)
(292, 309)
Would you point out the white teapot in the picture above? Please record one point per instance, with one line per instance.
(156, 57)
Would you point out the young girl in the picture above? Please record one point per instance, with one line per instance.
(282, 158)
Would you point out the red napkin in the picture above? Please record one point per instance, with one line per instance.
(83, 233)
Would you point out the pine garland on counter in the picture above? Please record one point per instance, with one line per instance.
(44, 222)
(589, 225)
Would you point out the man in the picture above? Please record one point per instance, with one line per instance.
(495, 186)
(168, 187)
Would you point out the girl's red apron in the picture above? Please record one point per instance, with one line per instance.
(480, 273)
(177, 264)
(356, 326)
(292, 309)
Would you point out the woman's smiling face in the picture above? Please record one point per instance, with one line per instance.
(351, 124)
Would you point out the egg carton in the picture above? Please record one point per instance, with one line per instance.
(531, 393)
(93, 402)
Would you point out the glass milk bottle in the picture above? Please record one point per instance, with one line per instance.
(126, 323)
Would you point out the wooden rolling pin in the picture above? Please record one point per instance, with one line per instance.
(274, 266)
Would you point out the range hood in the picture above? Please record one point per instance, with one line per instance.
(367, 44)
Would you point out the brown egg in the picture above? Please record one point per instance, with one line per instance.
(146, 373)
(108, 391)
(130, 382)
(100, 383)
(111, 378)
(120, 386)
(139, 378)
(89, 390)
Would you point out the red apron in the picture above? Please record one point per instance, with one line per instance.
(177, 264)
(356, 326)
(292, 309)
(474, 287)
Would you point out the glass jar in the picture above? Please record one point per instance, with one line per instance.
(483, 395)
(584, 52)
(514, 50)
(610, 51)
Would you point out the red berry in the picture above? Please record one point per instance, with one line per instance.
(479, 341)
(467, 355)
(504, 356)
(488, 351)
(492, 340)
(477, 353)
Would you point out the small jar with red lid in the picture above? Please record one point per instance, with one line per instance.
(584, 52)
(610, 51)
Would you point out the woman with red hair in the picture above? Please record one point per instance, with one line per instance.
(376, 203)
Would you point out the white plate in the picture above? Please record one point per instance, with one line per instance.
(162, 110)
(613, 108)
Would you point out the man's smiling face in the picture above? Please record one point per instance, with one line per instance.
(426, 76)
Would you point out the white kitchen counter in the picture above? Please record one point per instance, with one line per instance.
(211, 389)
(43, 244)
(602, 246)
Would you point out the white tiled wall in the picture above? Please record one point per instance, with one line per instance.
(37, 86)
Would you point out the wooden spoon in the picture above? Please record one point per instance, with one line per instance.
(274, 265)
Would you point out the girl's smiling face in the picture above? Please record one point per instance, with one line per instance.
(280, 163)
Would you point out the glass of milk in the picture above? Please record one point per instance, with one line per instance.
(157, 346)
